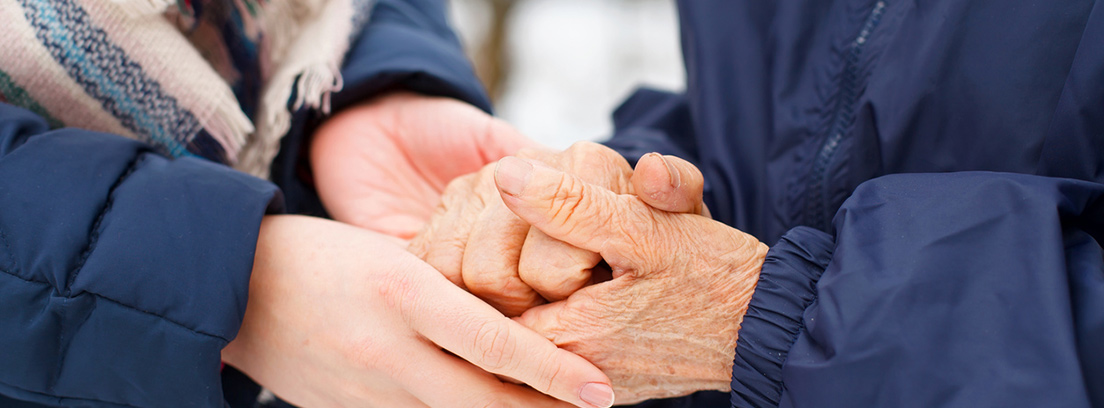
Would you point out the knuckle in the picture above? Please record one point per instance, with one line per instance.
(460, 185)
(585, 148)
(511, 299)
(550, 369)
(398, 291)
(564, 283)
(477, 281)
(600, 165)
(552, 275)
(632, 231)
(487, 284)
(495, 345)
(589, 152)
(446, 258)
(566, 199)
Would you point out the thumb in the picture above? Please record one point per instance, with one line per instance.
(567, 208)
(670, 184)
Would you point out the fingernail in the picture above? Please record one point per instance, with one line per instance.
(512, 174)
(672, 174)
(597, 394)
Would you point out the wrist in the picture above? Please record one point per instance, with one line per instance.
(742, 275)
(234, 353)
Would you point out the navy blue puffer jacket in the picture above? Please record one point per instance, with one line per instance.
(928, 175)
(123, 274)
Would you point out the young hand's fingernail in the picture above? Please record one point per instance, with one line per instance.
(512, 174)
(597, 394)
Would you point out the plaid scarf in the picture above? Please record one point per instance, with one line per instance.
(207, 78)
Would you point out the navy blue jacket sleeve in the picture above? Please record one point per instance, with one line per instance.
(935, 290)
(653, 121)
(407, 44)
(122, 274)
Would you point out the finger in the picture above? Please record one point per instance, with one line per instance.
(584, 308)
(443, 249)
(571, 210)
(459, 322)
(505, 140)
(476, 138)
(553, 268)
(490, 267)
(442, 243)
(669, 183)
(442, 380)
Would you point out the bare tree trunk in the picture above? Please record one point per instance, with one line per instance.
(492, 63)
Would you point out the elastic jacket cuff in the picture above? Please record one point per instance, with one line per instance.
(787, 286)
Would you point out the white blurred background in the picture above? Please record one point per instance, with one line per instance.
(556, 69)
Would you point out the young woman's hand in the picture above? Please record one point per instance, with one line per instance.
(383, 165)
(339, 316)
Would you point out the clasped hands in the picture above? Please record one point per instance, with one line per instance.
(613, 277)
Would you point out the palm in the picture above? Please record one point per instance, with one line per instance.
(384, 165)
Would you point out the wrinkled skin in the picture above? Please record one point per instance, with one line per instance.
(385, 164)
(479, 244)
(339, 316)
(666, 324)
(476, 242)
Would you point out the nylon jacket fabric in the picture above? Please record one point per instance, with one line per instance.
(123, 274)
(928, 176)
(407, 44)
(985, 289)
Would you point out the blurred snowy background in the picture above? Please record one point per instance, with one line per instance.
(556, 69)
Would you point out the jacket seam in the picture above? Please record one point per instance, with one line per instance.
(181, 325)
(128, 307)
(98, 224)
(24, 279)
(93, 236)
(14, 267)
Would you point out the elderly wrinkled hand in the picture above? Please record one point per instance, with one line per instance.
(666, 323)
(479, 244)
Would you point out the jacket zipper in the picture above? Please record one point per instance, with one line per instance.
(844, 117)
